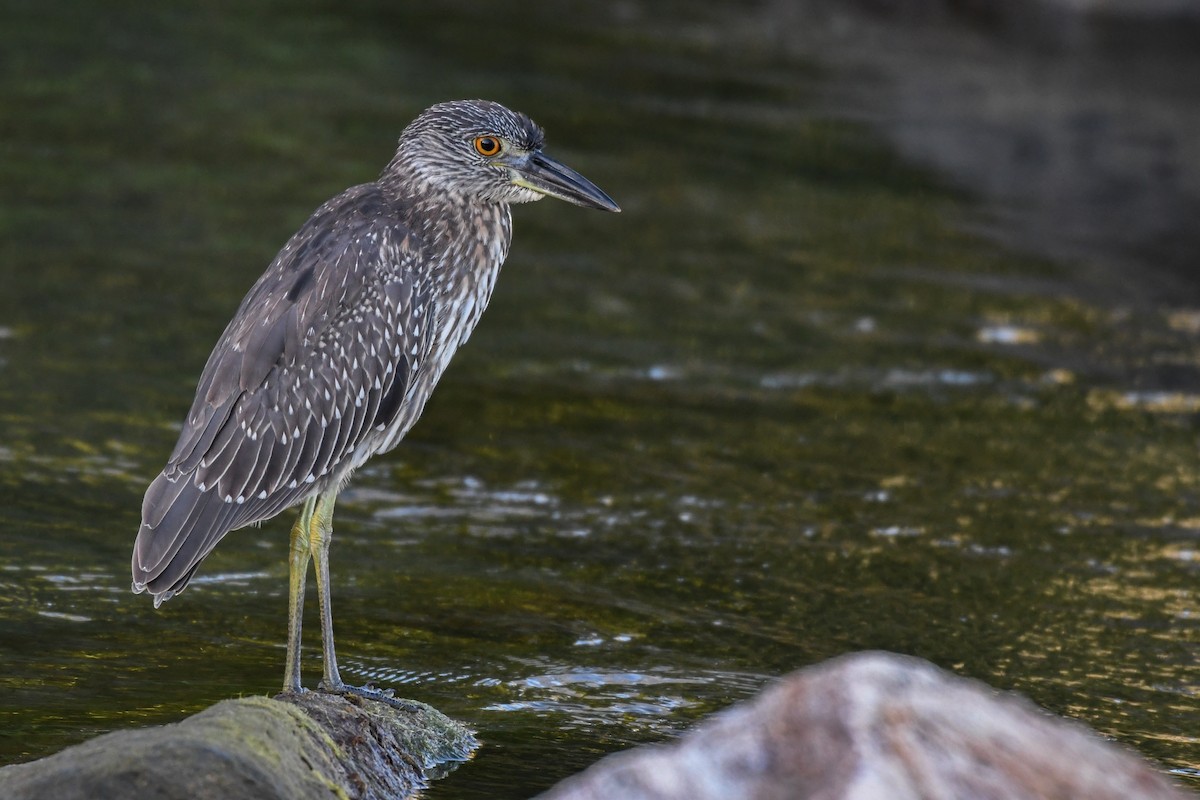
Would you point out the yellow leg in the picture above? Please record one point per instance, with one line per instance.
(320, 533)
(311, 537)
(298, 566)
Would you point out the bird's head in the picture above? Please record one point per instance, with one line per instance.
(483, 150)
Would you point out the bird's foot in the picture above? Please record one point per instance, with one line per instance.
(370, 692)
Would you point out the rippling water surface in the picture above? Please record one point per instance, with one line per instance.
(780, 409)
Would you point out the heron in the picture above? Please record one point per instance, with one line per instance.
(333, 353)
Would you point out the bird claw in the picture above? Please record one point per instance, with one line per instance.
(370, 692)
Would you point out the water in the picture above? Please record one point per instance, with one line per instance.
(781, 408)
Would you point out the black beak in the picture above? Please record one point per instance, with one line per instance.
(549, 176)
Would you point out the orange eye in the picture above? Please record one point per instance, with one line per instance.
(487, 145)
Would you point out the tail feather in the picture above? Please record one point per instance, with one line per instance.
(180, 526)
(166, 496)
(182, 523)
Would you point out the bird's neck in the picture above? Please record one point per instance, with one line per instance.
(465, 242)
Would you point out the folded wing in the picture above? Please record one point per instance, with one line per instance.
(322, 351)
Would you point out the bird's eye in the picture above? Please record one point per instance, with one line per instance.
(487, 145)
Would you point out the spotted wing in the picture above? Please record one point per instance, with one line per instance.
(322, 351)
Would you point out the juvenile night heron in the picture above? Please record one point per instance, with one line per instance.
(333, 353)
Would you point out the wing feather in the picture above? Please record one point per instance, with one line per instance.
(198, 437)
(261, 429)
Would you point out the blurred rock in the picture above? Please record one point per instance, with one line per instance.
(312, 745)
(876, 725)
(1073, 121)
(1128, 9)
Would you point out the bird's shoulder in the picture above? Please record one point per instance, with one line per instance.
(354, 254)
(356, 243)
(363, 234)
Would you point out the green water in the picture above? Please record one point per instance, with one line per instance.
(780, 409)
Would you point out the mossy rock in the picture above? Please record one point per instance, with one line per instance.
(311, 745)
